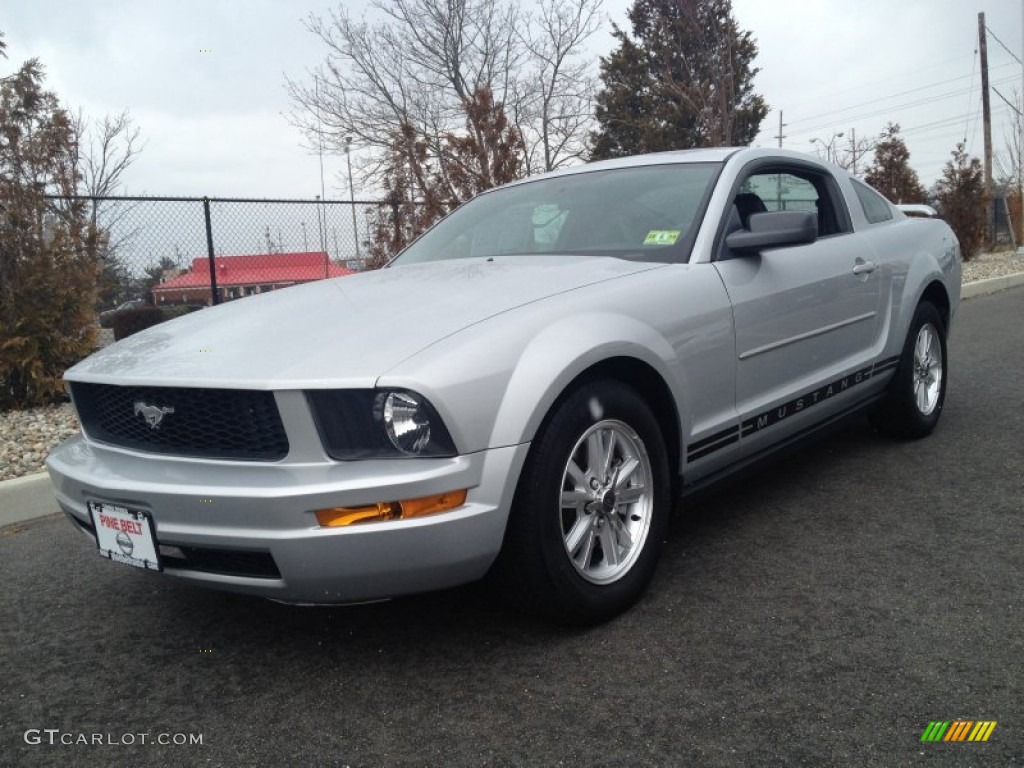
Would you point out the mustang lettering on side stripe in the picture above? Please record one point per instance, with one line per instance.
(708, 445)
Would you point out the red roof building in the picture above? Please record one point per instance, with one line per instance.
(239, 276)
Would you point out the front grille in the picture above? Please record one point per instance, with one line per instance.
(208, 423)
(229, 562)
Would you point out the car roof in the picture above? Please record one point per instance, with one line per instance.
(703, 155)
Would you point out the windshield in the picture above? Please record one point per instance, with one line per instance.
(644, 212)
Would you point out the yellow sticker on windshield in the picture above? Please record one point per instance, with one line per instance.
(662, 237)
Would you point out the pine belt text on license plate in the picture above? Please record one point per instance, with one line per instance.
(125, 535)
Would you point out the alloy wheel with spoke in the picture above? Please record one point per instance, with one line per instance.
(927, 369)
(606, 500)
(913, 400)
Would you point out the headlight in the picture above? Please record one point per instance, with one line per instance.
(406, 421)
(370, 424)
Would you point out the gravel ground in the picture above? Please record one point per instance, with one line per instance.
(27, 437)
(988, 265)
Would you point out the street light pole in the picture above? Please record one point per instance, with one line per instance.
(321, 213)
(352, 193)
(831, 154)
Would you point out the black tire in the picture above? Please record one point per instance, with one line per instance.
(901, 414)
(535, 569)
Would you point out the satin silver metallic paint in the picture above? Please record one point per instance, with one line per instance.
(492, 343)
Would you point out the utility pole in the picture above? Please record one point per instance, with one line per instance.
(782, 125)
(778, 177)
(1020, 125)
(986, 112)
(853, 149)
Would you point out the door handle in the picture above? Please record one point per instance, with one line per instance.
(864, 268)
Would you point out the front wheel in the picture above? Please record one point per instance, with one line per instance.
(917, 392)
(591, 509)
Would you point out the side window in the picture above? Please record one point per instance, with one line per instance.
(876, 208)
(797, 190)
(783, 192)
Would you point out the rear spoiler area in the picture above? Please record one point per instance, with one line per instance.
(921, 211)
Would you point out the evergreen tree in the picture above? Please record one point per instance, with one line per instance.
(48, 248)
(962, 202)
(683, 78)
(890, 172)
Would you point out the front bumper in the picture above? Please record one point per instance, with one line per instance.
(226, 515)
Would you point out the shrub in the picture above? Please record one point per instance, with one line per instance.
(48, 265)
(962, 202)
(129, 321)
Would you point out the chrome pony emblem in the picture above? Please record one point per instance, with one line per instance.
(153, 414)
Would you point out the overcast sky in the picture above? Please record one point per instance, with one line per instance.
(214, 124)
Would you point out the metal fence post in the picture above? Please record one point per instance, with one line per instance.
(209, 251)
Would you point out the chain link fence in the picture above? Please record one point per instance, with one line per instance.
(1005, 217)
(170, 251)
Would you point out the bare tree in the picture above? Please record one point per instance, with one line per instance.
(465, 167)
(554, 99)
(1009, 167)
(854, 158)
(1010, 162)
(104, 150)
(417, 66)
(423, 65)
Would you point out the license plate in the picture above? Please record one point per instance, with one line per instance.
(125, 535)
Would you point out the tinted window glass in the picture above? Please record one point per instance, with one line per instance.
(794, 190)
(876, 208)
(630, 212)
(783, 192)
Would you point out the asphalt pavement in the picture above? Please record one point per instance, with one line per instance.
(821, 612)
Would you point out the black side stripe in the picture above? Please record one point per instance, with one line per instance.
(729, 438)
(708, 445)
(711, 439)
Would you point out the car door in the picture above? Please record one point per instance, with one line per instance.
(804, 316)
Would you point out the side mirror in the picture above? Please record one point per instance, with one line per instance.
(774, 229)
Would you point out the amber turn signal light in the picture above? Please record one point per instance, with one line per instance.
(390, 510)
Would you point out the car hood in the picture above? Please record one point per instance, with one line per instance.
(343, 332)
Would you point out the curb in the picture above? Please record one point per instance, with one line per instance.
(992, 285)
(26, 498)
(29, 497)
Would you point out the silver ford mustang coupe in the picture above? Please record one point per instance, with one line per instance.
(522, 393)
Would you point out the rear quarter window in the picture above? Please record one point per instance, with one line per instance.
(876, 208)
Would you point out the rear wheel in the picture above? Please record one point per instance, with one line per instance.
(591, 509)
(917, 392)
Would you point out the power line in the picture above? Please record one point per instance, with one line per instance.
(1008, 103)
(887, 110)
(948, 122)
(974, 136)
(970, 96)
(1014, 55)
(891, 96)
(889, 79)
